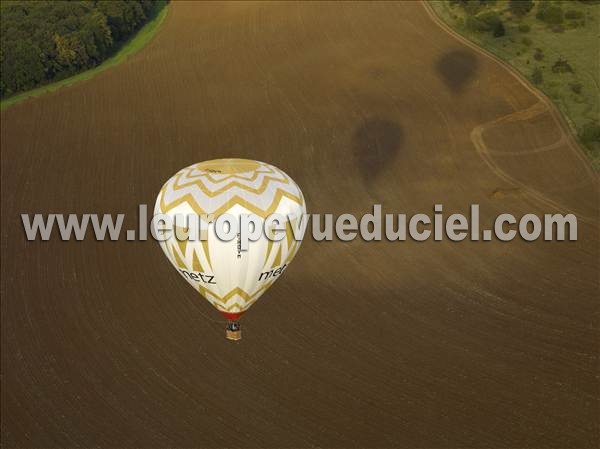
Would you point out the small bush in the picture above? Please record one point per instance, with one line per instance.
(537, 76)
(499, 30)
(526, 41)
(558, 28)
(485, 21)
(573, 14)
(538, 55)
(576, 87)
(562, 66)
(490, 18)
(524, 28)
(549, 13)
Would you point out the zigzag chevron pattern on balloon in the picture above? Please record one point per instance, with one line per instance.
(208, 190)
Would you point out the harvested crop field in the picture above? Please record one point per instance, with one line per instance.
(379, 344)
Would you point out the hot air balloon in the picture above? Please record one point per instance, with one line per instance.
(230, 277)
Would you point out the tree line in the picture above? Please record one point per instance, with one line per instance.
(45, 41)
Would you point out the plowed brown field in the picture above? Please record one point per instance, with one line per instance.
(407, 344)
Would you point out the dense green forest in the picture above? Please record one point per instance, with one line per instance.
(45, 41)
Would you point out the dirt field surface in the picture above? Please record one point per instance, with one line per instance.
(432, 345)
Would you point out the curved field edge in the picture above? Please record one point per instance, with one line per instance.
(129, 48)
(437, 10)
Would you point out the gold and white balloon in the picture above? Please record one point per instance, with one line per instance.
(230, 278)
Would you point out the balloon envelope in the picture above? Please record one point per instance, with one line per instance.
(230, 278)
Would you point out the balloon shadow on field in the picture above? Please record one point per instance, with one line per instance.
(376, 145)
(457, 68)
